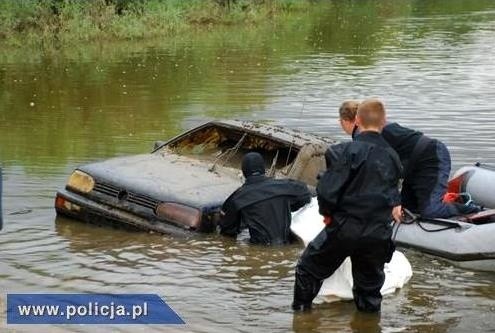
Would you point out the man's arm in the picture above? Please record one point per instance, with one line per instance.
(230, 221)
(341, 162)
(330, 188)
(302, 196)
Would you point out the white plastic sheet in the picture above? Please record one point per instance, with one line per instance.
(307, 224)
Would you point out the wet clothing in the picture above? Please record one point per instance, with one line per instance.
(263, 205)
(427, 169)
(427, 165)
(362, 176)
(358, 191)
(368, 260)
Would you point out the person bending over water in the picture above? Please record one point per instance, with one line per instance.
(426, 163)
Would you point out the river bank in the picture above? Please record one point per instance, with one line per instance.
(34, 21)
(72, 104)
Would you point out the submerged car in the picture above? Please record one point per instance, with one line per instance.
(183, 182)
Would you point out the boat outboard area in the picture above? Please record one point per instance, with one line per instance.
(477, 181)
(307, 224)
(466, 241)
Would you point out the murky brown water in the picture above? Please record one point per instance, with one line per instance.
(433, 62)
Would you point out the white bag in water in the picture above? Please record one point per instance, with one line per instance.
(307, 224)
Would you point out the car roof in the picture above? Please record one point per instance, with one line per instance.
(278, 133)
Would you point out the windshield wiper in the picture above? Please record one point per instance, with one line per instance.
(231, 152)
(271, 173)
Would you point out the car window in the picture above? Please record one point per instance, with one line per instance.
(224, 146)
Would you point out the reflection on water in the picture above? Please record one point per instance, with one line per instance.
(431, 61)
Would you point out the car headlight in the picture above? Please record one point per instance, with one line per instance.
(180, 214)
(81, 182)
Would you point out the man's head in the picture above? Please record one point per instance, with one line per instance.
(253, 164)
(371, 115)
(347, 115)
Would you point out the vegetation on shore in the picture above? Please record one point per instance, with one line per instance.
(74, 20)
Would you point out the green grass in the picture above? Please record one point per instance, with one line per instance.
(24, 21)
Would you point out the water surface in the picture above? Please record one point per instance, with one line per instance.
(432, 62)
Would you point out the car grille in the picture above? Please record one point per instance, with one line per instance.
(116, 192)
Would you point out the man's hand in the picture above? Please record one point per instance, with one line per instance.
(397, 214)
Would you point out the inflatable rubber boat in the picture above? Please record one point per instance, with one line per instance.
(467, 241)
(307, 224)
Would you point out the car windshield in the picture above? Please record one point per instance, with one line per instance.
(225, 146)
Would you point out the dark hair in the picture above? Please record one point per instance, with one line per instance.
(348, 110)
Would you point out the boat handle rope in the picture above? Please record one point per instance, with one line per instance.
(411, 218)
(469, 199)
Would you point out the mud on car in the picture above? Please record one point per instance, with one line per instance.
(183, 182)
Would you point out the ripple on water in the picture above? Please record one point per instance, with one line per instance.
(436, 72)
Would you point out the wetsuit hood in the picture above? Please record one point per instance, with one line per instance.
(253, 164)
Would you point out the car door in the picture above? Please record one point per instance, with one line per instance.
(309, 163)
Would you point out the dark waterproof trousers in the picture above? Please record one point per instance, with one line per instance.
(327, 252)
(425, 186)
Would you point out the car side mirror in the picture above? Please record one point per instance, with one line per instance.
(158, 144)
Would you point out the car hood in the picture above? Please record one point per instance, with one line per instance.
(167, 177)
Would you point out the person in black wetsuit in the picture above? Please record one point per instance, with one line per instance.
(263, 204)
(357, 193)
(426, 164)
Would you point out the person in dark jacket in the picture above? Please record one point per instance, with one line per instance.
(263, 204)
(357, 194)
(426, 164)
